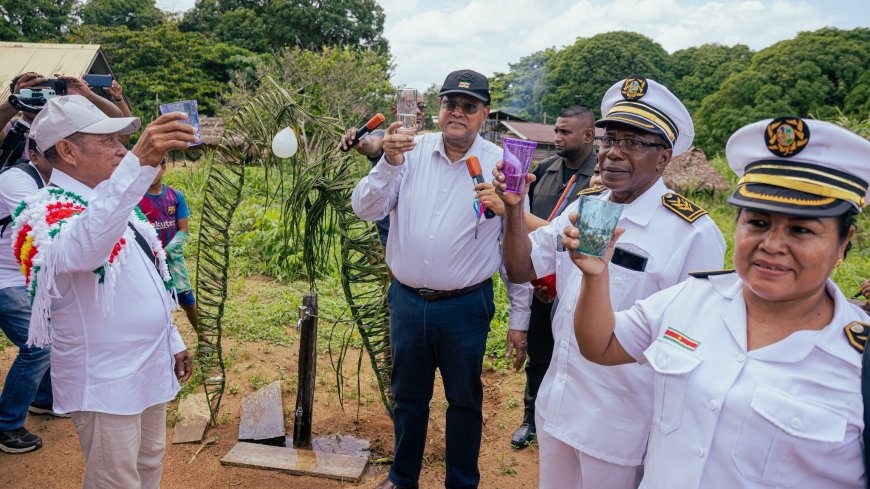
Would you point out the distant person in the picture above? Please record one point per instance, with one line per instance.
(443, 254)
(596, 181)
(28, 381)
(562, 175)
(100, 289)
(372, 147)
(166, 210)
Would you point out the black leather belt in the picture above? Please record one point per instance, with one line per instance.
(438, 295)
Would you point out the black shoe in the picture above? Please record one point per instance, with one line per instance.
(46, 410)
(524, 436)
(19, 441)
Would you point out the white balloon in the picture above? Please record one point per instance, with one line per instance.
(284, 144)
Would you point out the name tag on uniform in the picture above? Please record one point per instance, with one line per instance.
(629, 260)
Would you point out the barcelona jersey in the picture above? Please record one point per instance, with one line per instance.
(163, 212)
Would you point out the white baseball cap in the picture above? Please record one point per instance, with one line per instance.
(63, 116)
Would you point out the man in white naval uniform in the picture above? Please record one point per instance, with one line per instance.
(594, 421)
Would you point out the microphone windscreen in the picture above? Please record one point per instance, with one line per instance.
(473, 166)
(375, 121)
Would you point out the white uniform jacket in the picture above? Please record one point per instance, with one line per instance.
(605, 411)
(785, 415)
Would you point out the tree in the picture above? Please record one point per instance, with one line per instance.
(582, 72)
(35, 20)
(520, 90)
(433, 104)
(166, 64)
(133, 14)
(700, 71)
(271, 25)
(811, 74)
(338, 82)
(244, 28)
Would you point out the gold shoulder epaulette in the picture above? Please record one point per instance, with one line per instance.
(856, 333)
(592, 190)
(711, 273)
(682, 206)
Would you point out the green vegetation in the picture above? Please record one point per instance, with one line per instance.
(724, 87)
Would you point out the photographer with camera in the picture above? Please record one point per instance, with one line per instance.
(29, 93)
(18, 149)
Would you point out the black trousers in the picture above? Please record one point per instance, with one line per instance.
(540, 350)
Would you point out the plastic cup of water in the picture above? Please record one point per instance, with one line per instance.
(406, 108)
(190, 108)
(596, 222)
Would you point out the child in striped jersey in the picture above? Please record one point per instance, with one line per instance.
(166, 209)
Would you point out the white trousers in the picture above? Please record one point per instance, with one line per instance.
(565, 467)
(122, 452)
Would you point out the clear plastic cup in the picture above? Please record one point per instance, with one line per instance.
(406, 108)
(190, 108)
(596, 222)
(517, 158)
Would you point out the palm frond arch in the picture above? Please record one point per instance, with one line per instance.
(315, 188)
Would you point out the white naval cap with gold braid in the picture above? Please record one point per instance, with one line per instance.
(799, 167)
(650, 106)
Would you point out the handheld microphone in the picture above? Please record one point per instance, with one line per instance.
(370, 126)
(474, 170)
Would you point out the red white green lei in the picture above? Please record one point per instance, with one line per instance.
(39, 222)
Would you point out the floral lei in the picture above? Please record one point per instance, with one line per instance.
(37, 231)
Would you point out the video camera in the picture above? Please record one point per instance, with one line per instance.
(33, 99)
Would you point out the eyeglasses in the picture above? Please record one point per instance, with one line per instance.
(626, 145)
(468, 108)
(422, 107)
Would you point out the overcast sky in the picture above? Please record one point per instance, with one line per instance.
(430, 38)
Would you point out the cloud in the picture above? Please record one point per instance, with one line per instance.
(429, 39)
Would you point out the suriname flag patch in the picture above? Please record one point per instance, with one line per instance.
(681, 339)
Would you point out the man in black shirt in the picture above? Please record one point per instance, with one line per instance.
(573, 167)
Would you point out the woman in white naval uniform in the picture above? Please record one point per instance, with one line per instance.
(757, 372)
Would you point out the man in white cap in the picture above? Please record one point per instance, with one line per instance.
(100, 290)
(593, 422)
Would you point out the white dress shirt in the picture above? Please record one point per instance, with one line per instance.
(789, 414)
(15, 185)
(123, 362)
(432, 219)
(605, 411)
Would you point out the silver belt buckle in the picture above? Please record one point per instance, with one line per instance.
(426, 292)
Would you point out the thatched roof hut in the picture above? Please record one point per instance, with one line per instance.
(692, 171)
(212, 130)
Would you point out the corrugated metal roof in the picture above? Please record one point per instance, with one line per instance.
(48, 59)
(532, 131)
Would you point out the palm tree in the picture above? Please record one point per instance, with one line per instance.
(314, 187)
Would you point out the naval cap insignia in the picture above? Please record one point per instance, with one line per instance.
(786, 136)
(634, 87)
